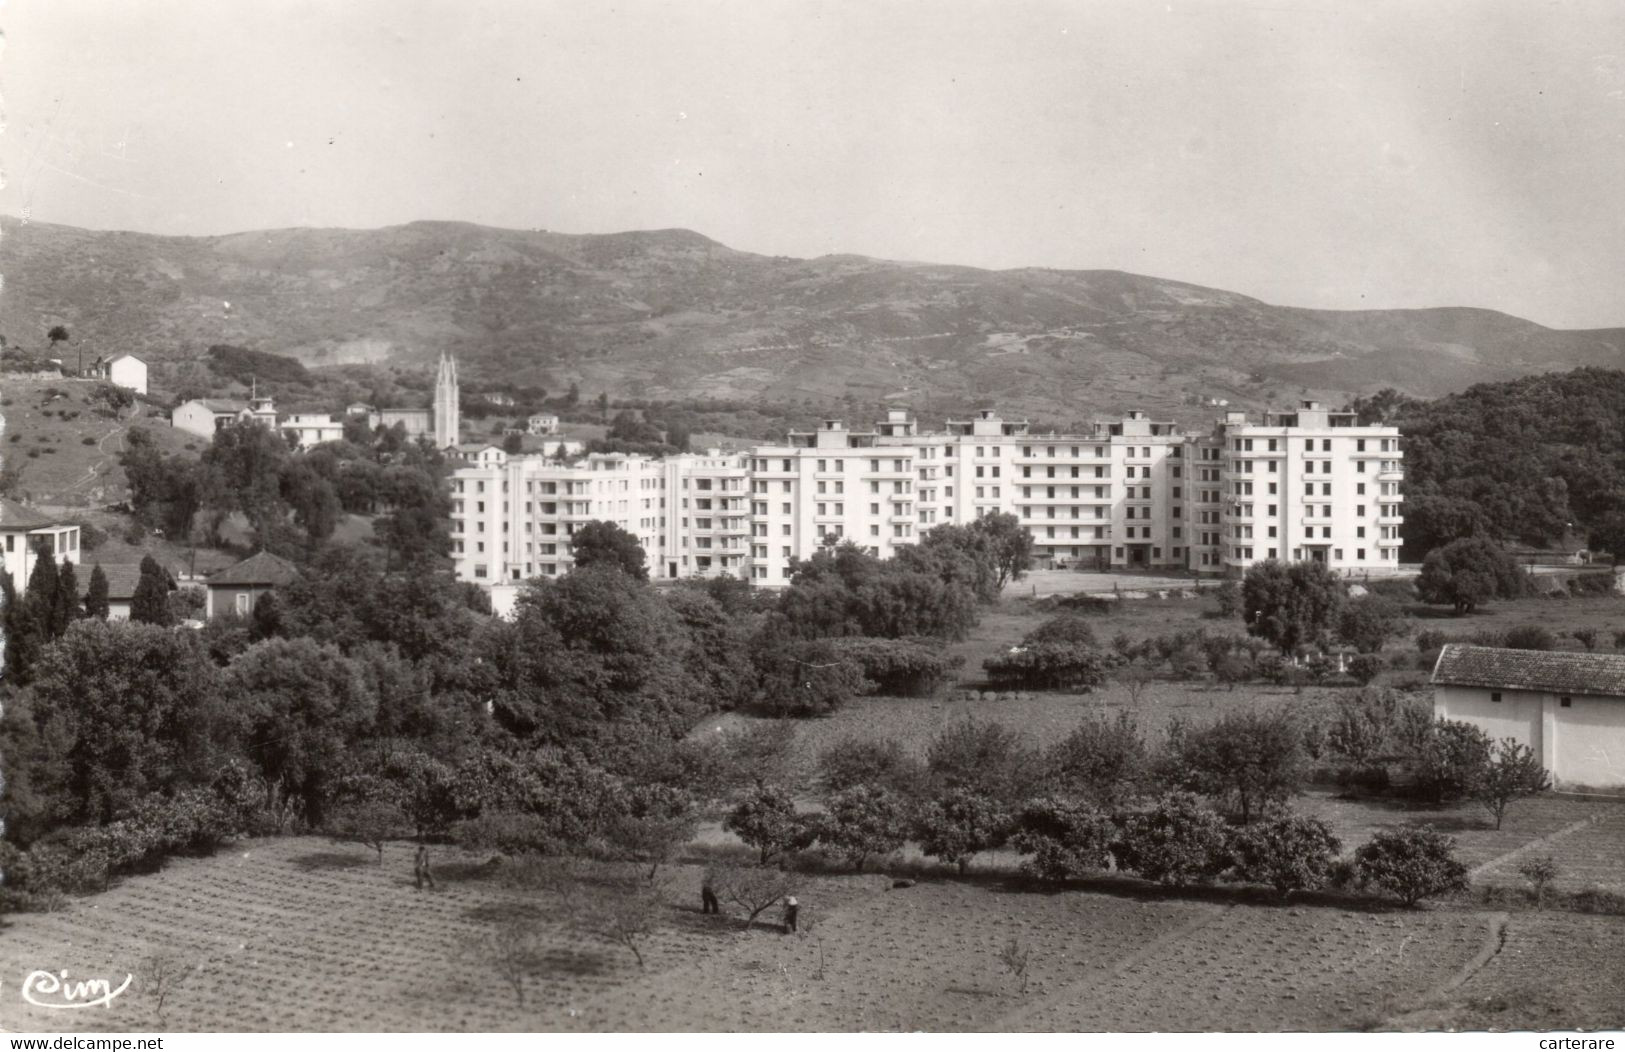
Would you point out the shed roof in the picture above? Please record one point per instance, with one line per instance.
(259, 568)
(121, 579)
(1548, 671)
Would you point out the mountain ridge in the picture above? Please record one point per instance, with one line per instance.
(674, 314)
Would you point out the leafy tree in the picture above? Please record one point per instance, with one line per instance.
(242, 471)
(140, 710)
(57, 334)
(1066, 838)
(1250, 760)
(801, 677)
(370, 822)
(1367, 623)
(1530, 637)
(1512, 771)
(1103, 762)
(304, 706)
(1288, 853)
(1291, 605)
(1177, 842)
(1411, 864)
(958, 824)
(1010, 543)
(861, 760)
(1364, 668)
(96, 603)
(1608, 535)
(1433, 520)
(1451, 759)
(1468, 572)
(862, 821)
(982, 755)
(767, 820)
(899, 667)
(605, 543)
(1540, 872)
(150, 603)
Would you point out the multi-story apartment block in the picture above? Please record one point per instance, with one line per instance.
(1132, 493)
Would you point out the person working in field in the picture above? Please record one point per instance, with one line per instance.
(708, 894)
(791, 908)
(420, 868)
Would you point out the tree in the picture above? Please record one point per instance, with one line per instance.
(1104, 763)
(982, 755)
(756, 889)
(607, 544)
(1291, 605)
(44, 585)
(1468, 572)
(1411, 864)
(370, 822)
(1512, 771)
(513, 444)
(1607, 535)
(862, 821)
(1288, 853)
(1066, 838)
(140, 709)
(96, 604)
(1530, 637)
(1049, 666)
(1540, 872)
(1250, 760)
(1177, 842)
(65, 605)
(860, 760)
(623, 912)
(1451, 759)
(767, 820)
(150, 604)
(1368, 622)
(960, 823)
(1010, 544)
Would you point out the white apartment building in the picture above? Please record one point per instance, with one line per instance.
(1132, 493)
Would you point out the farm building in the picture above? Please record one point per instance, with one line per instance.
(543, 424)
(125, 370)
(237, 588)
(204, 416)
(1569, 708)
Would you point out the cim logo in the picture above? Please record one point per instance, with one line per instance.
(55, 990)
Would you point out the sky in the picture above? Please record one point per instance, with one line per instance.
(1327, 153)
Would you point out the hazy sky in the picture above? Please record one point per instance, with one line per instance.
(1331, 154)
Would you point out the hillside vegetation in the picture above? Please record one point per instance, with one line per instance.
(673, 315)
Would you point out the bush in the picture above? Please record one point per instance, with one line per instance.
(1289, 853)
(957, 824)
(1451, 759)
(862, 821)
(1363, 668)
(1067, 628)
(985, 756)
(1179, 842)
(1530, 637)
(1065, 838)
(1430, 639)
(767, 821)
(1411, 864)
(870, 761)
(1104, 763)
(1048, 666)
(899, 667)
(1539, 872)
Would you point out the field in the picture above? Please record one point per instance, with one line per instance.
(305, 934)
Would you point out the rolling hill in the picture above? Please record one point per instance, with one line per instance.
(672, 314)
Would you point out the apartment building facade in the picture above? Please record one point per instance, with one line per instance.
(1132, 493)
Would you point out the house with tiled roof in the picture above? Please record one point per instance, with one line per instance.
(23, 531)
(1569, 708)
(122, 579)
(237, 588)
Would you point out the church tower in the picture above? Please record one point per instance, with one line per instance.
(447, 414)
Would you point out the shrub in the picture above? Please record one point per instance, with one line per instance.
(1450, 760)
(1048, 666)
(957, 824)
(1511, 771)
(767, 821)
(982, 755)
(1289, 853)
(1104, 763)
(1178, 842)
(870, 761)
(1587, 637)
(1363, 668)
(1530, 637)
(862, 821)
(1066, 838)
(1430, 639)
(1067, 628)
(1248, 760)
(1368, 622)
(1539, 872)
(1411, 864)
(899, 667)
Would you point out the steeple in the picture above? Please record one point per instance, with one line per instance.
(447, 412)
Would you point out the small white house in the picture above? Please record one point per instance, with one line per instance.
(311, 429)
(1567, 707)
(125, 370)
(543, 424)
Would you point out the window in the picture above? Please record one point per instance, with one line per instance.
(242, 603)
(1495, 695)
(1565, 701)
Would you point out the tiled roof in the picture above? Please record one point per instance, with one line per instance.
(259, 568)
(221, 405)
(1553, 672)
(121, 579)
(14, 516)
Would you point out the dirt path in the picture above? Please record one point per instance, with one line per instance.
(118, 431)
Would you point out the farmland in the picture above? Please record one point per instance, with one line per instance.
(304, 933)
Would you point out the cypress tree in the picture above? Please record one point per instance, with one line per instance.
(96, 595)
(65, 608)
(42, 587)
(22, 633)
(151, 600)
